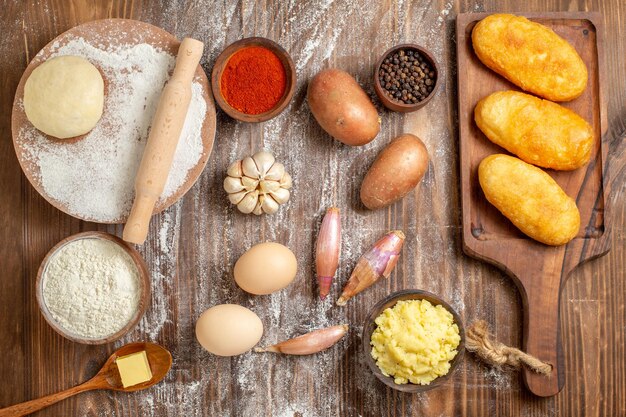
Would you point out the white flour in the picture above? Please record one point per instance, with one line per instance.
(94, 177)
(91, 287)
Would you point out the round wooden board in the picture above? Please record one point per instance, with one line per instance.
(121, 31)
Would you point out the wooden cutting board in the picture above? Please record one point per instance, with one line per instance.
(539, 271)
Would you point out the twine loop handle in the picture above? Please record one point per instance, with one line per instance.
(480, 341)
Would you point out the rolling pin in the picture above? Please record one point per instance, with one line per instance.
(167, 125)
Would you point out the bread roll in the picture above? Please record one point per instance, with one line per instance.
(530, 199)
(538, 131)
(531, 56)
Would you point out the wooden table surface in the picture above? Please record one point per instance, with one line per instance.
(193, 245)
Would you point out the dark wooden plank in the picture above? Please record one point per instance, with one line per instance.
(13, 297)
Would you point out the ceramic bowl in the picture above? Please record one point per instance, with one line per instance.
(222, 61)
(144, 279)
(369, 326)
(396, 105)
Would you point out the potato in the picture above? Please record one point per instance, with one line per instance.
(396, 171)
(531, 56)
(530, 198)
(538, 131)
(342, 108)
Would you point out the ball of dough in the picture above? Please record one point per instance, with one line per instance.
(64, 96)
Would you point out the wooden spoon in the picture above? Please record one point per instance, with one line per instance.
(108, 377)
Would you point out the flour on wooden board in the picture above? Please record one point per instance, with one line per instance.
(253, 383)
(94, 177)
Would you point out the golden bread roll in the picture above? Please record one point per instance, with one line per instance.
(538, 131)
(530, 198)
(531, 56)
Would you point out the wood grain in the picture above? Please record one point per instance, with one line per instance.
(539, 271)
(202, 237)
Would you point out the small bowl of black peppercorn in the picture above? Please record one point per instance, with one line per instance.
(406, 78)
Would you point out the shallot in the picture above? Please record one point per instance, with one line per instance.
(327, 251)
(309, 343)
(377, 262)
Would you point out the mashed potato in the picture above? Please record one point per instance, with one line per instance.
(415, 341)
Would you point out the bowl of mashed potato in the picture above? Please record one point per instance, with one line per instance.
(413, 340)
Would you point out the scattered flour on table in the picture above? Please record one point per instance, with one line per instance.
(163, 261)
(91, 287)
(501, 378)
(94, 176)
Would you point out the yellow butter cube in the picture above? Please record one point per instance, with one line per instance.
(134, 368)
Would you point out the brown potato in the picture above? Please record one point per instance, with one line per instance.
(530, 198)
(342, 108)
(531, 56)
(396, 171)
(538, 131)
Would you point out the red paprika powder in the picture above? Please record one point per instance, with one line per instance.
(254, 80)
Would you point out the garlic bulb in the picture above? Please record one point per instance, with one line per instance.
(257, 184)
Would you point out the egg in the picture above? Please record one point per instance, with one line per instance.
(228, 329)
(265, 268)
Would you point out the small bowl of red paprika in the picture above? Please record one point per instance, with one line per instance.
(253, 79)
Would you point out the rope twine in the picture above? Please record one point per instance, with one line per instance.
(479, 340)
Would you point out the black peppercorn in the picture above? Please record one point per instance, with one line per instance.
(407, 76)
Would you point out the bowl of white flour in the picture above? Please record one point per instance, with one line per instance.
(93, 288)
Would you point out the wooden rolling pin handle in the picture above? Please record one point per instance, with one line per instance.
(167, 126)
(187, 60)
(136, 228)
(31, 406)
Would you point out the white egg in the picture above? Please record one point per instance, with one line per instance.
(265, 268)
(228, 329)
